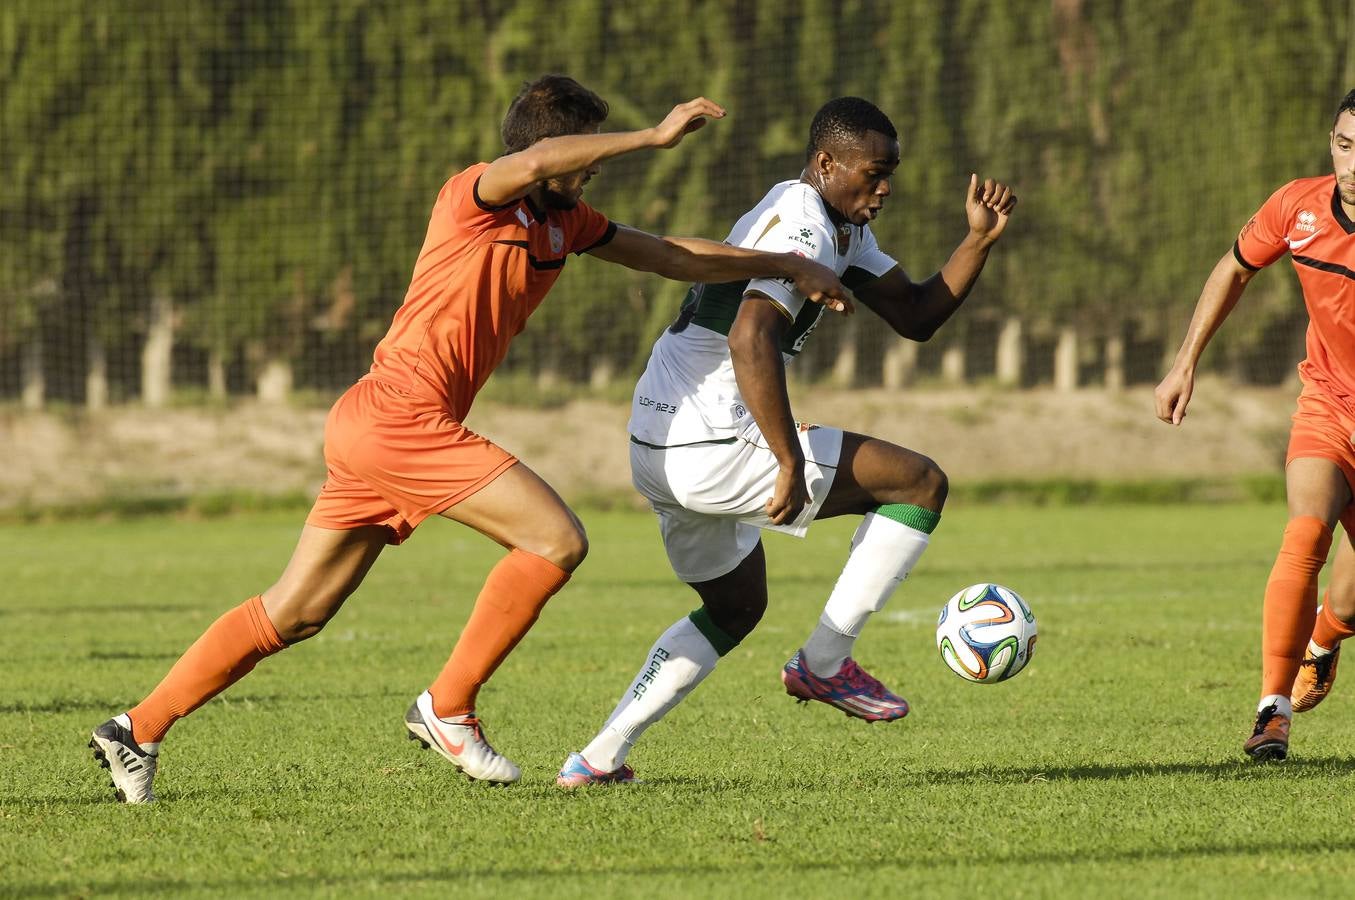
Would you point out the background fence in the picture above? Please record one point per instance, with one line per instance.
(224, 199)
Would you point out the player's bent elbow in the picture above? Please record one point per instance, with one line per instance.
(914, 331)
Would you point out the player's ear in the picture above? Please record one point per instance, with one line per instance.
(822, 162)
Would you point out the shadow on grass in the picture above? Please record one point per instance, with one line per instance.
(86, 704)
(1229, 770)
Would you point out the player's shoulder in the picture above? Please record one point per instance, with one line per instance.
(462, 181)
(799, 203)
(1306, 190)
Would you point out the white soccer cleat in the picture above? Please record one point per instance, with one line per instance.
(461, 740)
(131, 768)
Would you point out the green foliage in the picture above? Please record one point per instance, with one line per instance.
(271, 164)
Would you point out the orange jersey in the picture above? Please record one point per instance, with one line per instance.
(1305, 219)
(482, 271)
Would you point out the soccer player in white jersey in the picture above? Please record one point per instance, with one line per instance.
(715, 449)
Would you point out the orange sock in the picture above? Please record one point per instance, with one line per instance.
(225, 653)
(514, 593)
(1291, 602)
(1330, 631)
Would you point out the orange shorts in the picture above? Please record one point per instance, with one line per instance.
(1324, 429)
(395, 460)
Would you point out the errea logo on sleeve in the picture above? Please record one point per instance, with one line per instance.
(1305, 230)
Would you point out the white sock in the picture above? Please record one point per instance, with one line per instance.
(1320, 651)
(883, 552)
(151, 747)
(1282, 705)
(678, 661)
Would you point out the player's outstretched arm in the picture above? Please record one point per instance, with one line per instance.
(713, 262)
(755, 347)
(916, 309)
(515, 175)
(1220, 295)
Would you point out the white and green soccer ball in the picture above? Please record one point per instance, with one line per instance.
(986, 633)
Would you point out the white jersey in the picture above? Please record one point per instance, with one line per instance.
(688, 393)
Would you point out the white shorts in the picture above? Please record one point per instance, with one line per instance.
(711, 498)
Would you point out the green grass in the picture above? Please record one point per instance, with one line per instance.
(1111, 765)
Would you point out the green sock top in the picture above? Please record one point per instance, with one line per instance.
(718, 637)
(923, 520)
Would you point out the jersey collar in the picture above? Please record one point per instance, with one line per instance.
(537, 213)
(1338, 211)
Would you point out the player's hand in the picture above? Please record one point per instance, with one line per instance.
(684, 119)
(818, 283)
(988, 205)
(1173, 395)
(790, 494)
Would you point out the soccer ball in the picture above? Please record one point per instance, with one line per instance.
(986, 633)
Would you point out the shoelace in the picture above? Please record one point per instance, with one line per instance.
(1263, 718)
(1322, 666)
(859, 679)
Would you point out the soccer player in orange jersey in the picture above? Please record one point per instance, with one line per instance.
(1314, 220)
(395, 446)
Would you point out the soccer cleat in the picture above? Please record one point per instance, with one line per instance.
(461, 740)
(851, 690)
(576, 773)
(1269, 737)
(131, 768)
(1316, 676)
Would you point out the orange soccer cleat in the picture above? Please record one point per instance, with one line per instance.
(1316, 676)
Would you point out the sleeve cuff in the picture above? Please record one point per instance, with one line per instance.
(605, 239)
(1237, 254)
(475, 194)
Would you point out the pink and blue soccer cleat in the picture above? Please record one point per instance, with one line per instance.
(851, 690)
(577, 773)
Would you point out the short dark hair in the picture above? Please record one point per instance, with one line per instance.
(846, 121)
(1347, 105)
(551, 106)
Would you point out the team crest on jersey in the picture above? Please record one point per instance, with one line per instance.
(844, 239)
(557, 238)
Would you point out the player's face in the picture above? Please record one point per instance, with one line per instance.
(856, 181)
(564, 191)
(1343, 156)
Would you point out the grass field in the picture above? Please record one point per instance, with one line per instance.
(1111, 765)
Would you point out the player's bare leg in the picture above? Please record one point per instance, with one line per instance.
(325, 568)
(1334, 623)
(546, 542)
(1317, 492)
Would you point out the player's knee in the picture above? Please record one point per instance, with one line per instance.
(935, 486)
(293, 625)
(296, 616)
(567, 547)
(738, 618)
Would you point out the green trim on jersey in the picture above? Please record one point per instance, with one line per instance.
(714, 306)
(924, 520)
(720, 640)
